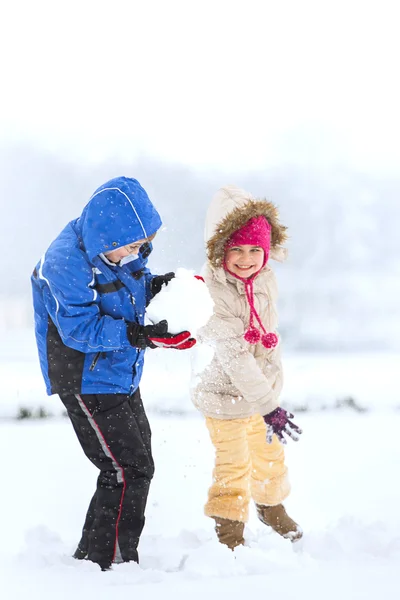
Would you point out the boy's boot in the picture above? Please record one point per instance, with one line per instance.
(277, 518)
(80, 553)
(229, 532)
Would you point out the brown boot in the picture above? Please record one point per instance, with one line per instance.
(277, 518)
(229, 532)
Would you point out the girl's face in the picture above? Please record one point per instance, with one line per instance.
(244, 260)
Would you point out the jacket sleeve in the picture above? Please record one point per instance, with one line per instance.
(73, 307)
(148, 276)
(145, 252)
(224, 331)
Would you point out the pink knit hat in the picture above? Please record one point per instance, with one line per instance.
(256, 232)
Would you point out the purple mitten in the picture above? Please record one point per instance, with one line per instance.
(278, 422)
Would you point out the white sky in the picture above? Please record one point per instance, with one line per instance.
(208, 82)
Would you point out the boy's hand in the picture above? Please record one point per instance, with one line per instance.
(278, 422)
(158, 281)
(157, 336)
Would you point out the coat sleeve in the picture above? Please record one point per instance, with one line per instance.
(148, 276)
(73, 306)
(224, 331)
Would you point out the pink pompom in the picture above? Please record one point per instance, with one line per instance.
(269, 340)
(252, 335)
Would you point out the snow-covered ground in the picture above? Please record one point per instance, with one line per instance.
(346, 495)
(344, 471)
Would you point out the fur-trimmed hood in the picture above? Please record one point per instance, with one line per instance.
(230, 209)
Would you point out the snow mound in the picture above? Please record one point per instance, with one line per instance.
(185, 303)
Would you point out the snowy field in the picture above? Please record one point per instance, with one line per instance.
(345, 494)
(344, 472)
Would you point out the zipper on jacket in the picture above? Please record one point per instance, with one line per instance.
(94, 361)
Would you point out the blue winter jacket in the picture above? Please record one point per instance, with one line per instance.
(82, 304)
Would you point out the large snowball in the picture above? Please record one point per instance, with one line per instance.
(185, 302)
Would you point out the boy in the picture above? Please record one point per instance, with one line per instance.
(90, 292)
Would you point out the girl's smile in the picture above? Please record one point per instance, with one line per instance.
(245, 260)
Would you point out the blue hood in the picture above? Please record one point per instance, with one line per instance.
(119, 213)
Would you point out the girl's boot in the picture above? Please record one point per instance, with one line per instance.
(277, 518)
(229, 532)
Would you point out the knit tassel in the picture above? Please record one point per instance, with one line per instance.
(252, 335)
(269, 340)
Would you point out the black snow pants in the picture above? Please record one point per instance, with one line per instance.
(115, 435)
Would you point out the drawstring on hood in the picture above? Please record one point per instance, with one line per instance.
(252, 334)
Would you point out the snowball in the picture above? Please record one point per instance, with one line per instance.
(185, 303)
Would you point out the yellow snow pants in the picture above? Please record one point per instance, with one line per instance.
(246, 467)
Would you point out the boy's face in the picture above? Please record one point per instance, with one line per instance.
(116, 255)
(244, 260)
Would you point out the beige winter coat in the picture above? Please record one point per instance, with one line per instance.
(242, 379)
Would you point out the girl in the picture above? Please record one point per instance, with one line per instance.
(238, 392)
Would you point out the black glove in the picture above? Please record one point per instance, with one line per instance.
(158, 281)
(157, 336)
